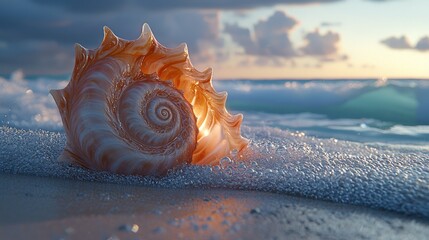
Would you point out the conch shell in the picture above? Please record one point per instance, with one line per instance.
(137, 107)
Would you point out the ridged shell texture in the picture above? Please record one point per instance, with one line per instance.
(137, 107)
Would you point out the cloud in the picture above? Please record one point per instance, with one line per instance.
(279, 22)
(194, 28)
(397, 42)
(36, 57)
(3, 44)
(41, 23)
(85, 6)
(321, 44)
(67, 28)
(324, 47)
(242, 37)
(27, 40)
(423, 44)
(94, 6)
(272, 35)
(270, 38)
(403, 43)
(271, 43)
(39, 29)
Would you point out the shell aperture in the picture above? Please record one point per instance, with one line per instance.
(137, 107)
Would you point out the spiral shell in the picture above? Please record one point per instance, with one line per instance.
(137, 107)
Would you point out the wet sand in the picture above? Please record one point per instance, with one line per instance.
(51, 208)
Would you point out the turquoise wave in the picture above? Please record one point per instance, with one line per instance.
(403, 102)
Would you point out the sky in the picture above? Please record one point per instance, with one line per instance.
(240, 39)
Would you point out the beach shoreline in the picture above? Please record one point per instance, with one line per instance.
(53, 208)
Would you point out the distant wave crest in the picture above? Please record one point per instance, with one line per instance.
(27, 104)
(396, 101)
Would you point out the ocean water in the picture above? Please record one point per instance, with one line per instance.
(361, 142)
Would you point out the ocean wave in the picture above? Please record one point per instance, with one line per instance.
(27, 104)
(357, 130)
(397, 101)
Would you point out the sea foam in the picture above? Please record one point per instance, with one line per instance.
(278, 161)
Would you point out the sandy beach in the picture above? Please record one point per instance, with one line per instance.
(52, 208)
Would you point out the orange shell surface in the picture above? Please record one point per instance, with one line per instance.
(137, 107)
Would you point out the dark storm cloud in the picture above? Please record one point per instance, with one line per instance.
(36, 57)
(18, 23)
(22, 20)
(271, 36)
(32, 34)
(402, 42)
(96, 6)
(87, 6)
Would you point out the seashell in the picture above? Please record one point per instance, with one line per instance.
(137, 107)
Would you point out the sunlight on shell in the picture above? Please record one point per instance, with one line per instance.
(137, 107)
